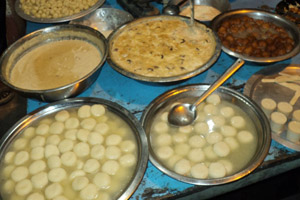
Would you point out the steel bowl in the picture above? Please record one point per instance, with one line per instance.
(32, 118)
(46, 35)
(189, 94)
(276, 19)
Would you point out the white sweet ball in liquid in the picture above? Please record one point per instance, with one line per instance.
(20, 144)
(210, 109)
(62, 116)
(72, 123)
(57, 175)
(53, 139)
(21, 157)
(51, 150)
(161, 127)
(37, 141)
(88, 123)
(209, 153)
(56, 128)
(228, 131)
(81, 149)
(110, 167)
(172, 160)
(216, 170)
(79, 183)
(82, 135)
(113, 139)
(91, 166)
(37, 153)
(9, 157)
(238, 122)
(113, 152)
(102, 180)
(42, 129)
(37, 167)
(102, 128)
(95, 138)
(228, 166)
(77, 173)
(35, 196)
(127, 160)
(196, 155)
(8, 187)
(89, 192)
(232, 142)
(199, 171)
(53, 162)
(65, 145)
(60, 197)
(39, 180)
(218, 121)
(245, 136)
(164, 152)
(162, 140)
(201, 115)
(182, 149)
(179, 137)
(201, 128)
(227, 111)
(197, 141)
(213, 99)
(68, 158)
(29, 132)
(19, 173)
(6, 172)
(182, 167)
(186, 129)
(23, 187)
(84, 111)
(214, 137)
(97, 110)
(221, 148)
(127, 146)
(71, 134)
(53, 190)
(98, 151)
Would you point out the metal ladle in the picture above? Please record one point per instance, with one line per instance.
(185, 113)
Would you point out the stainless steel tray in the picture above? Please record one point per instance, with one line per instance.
(257, 90)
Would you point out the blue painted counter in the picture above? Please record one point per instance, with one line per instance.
(136, 95)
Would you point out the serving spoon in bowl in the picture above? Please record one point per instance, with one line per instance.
(185, 113)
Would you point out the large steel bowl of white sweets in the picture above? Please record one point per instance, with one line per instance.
(80, 148)
(228, 140)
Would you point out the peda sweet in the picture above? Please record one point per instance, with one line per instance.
(268, 105)
(285, 108)
(293, 131)
(277, 121)
(296, 115)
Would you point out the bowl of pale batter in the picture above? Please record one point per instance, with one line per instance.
(55, 62)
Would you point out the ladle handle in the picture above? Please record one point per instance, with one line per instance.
(233, 68)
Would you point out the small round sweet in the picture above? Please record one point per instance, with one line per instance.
(95, 138)
(89, 192)
(238, 121)
(79, 164)
(196, 155)
(245, 136)
(201, 116)
(77, 173)
(228, 166)
(200, 171)
(88, 123)
(29, 132)
(183, 166)
(163, 139)
(179, 137)
(210, 109)
(54, 162)
(228, 131)
(20, 143)
(37, 153)
(182, 149)
(65, 145)
(213, 99)
(209, 153)
(186, 129)
(102, 128)
(19, 173)
(232, 143)
(296, 115)
(102, 180)
(37, 167)
(172, 160)
(218, 121)
(72, 123)
(268, 105)
(8, 187)
(201, 128)
(23, 187)
(68, 158)
(127, 160)
(84, 111)
(53, 190)
(98, 151)
(51, 150)
(56, 128)
(221, 148)
(35, 196)
(127, 146)
(39, 180)
(37, 141)
(9, 157)
(197, 141)
(57, 175)
(7, 170)
(46, 121)
(278, 121)
(81, 149)
(293, 132)
(113, 139)
(214, 137)
(80, 182)
(60, 197)
(113, 152)
(71, 134)
(161, 127)
(216, 170)
(97, 110)
(285, 108)
(110, 167)
(82, 135)
(91, 166)
(42, 129)
(21, 157)
(53, 139)
(62, 116)
(227, 111)
(164, 152)
(104, 196)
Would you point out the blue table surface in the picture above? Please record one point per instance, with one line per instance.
(136, 95)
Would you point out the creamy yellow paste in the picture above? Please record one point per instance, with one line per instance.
(55, 64)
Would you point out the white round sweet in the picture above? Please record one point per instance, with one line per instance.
(79, 183)
(285, 108)
(213, 99)
(110, 167)
(84, 111)
(183, 166)
(161, 127)
(113, 152)
(83, 134)
(102, 128)
(72, 123)
(88, 123)
(42, 129)
(91, 166)
(228, 131)
(296, 115)
(113, 139)
(196, 155)
(6, 172)
(23, 187)
(35, 196)
(216, 170)
(293, 132)
(238, 122)
(245, 136)
(53, 190)
(210, 109)
(182, 149)
(179, 137)
(81, 149)
(71, 134)
(197, 141)
(127, 146)
(53, 139)
(228, 166)
(163, 139)
(97, 110)
(57, 175)
(104, 196)
(268, 105)
(98, 151)
(37, 153)
(20, 143)
(186, 129)
(221, 149)
(127, 160)
(77, 173)
(68, 158)
(39, 180)
(21, 157)
(199, 171)
(37, 167)
(209, 153)
(278, 121)
(46, 121)
(65, 145)
(232, 142)
(29, 132)
(62, 116)
(218, 121)
(172, 160)
(201, 128)
(89, 192)
(201, 116)
(9, 157)
(102, 180)
(95, 138)
(164, 152)
(56, 128)
(227, 111)
(19, 173)
(8, 187)
(60, 197)
(54, 162)
(37, 141)
(214, 137)
(51, 150)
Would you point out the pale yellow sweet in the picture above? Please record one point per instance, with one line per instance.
(293, 132)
